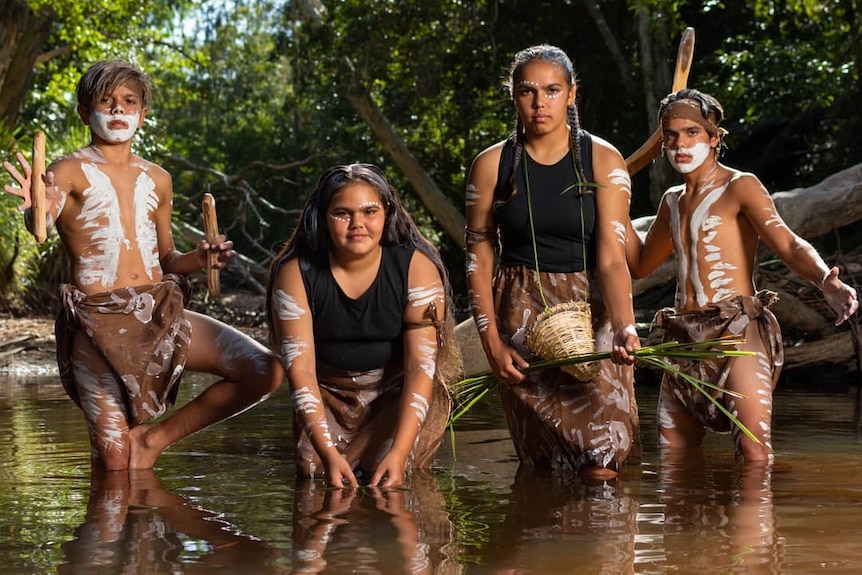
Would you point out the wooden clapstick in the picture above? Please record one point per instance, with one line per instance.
(652, 147)
(37, 187)
(211, 231)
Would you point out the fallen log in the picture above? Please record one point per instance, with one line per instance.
(795, 315)
(838, 349)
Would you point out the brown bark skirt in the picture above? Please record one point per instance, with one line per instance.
(140, 332)
(362, 410)
(555, 420)
(729, 318)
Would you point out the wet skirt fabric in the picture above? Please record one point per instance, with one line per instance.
(362, 412)
(730, 318)
(556, 421)
(140, 332)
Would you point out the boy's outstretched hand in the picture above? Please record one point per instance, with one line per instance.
(24, 183)
(841, 297)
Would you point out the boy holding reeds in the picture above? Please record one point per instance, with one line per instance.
(712, 223)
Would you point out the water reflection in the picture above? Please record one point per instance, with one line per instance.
(225, 501)
(554, 524)
(135, 526)
(369, 530)
(719, 517)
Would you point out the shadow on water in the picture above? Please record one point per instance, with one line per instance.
(226, 501)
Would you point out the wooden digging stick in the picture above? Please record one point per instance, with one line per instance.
(652, 147)
(37, 188)
(211, 232)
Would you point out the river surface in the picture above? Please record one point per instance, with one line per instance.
(225, 501)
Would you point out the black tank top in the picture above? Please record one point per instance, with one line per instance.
(556, 213)
(364, 333)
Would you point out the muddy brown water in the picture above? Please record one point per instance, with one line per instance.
(226, 501)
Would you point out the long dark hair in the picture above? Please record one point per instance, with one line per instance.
(311, 235)
(554, 55)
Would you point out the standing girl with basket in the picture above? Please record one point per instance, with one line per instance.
(551, 202)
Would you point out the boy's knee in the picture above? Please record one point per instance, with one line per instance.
(268, 378)
(275, 373)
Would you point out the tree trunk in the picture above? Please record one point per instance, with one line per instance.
(838, 349)
(443, 210)
(613, 47)
(23, 34)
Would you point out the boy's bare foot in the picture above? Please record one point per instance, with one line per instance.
(142, 454)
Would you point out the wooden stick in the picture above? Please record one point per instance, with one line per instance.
(37, 188)
(652, 147)
(211, 231)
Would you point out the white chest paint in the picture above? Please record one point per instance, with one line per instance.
(100, 218)
(702, 264)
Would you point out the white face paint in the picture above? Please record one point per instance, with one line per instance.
(100, 123)
(699, 153)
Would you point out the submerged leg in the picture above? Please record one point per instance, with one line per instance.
(753, 377)
(102, 397)
(678, 428)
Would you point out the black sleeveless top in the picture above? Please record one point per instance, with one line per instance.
(556, 212)
(364, 333)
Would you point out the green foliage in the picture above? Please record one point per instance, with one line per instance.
(85, 32)
(18, 250)
(251, 105)
(787, 74)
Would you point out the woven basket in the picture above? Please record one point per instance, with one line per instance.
(565, 330)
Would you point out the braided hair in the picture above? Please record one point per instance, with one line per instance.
(547, 53)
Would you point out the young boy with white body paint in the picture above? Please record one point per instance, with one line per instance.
(359, 307)
(712, 223)
(123, 336)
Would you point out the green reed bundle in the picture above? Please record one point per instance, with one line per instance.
(469, 391)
